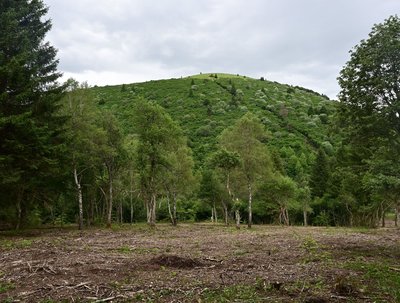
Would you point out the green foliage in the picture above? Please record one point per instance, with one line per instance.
(31, 134)
(369, 120)
(159, 138)
(320, 175)
(279, 192)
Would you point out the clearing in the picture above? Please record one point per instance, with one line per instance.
(201, 263)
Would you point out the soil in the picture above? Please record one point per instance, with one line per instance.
(191, 262)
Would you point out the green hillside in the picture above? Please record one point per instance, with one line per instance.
(297, 119)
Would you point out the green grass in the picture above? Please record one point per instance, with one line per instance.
(11, 244)
(315, 252)
(380, 280)
(124, 250)
(236, 293)
(5, 286)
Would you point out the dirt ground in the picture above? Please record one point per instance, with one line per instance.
(201, 263)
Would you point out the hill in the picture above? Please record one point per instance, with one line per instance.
(296, 118)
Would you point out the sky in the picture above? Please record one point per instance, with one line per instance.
(297, 42)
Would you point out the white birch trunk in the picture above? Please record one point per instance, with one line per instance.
(250, 223)
(225, 207)
(110, 202)
(305, 217)
(171, 217)
(80, 200)
(237, 216)
(174, 218)
(151, 212)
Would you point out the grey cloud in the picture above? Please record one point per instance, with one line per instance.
(306, 40)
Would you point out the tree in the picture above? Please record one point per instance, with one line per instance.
(31, 136)
(304, 197)
(370, 83)
(383, 181)
(79, 107)
(369, 112)
(279, 191)
(226, 161)
(112, 154)
(245, 138)
(157, 134)
(319, 175)
(210, 190)
(179, 179)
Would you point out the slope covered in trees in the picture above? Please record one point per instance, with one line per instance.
(293, 125)
(297, 120)
(208, 145)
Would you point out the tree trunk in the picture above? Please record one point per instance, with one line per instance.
(20, 196)
(131, 197)
(171, 216)
(305, 217)
(281, 216)
(148, 202)
(383, 222)
(151, 211)
(214, 213)
(80, 201)
(121, 213)
(174, 217)
(250, 222)
(237, 216)
(287, 222)
(396, 215)
(225, 207)
(110, 201)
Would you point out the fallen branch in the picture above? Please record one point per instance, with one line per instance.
(212, 259)
(82, 284)
(339, 297)
(109, 299)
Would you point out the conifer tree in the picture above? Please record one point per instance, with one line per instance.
(319, 175)
(30, 133)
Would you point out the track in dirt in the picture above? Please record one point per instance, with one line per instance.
(197, 263)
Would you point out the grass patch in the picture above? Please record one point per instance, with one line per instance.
(236, 293)
(314, 251)
(382, 281)
(124, 250)
(5, 286)
(10, 244)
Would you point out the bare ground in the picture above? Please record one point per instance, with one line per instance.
(198, 263)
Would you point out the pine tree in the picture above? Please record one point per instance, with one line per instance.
(319, 175)
(30, 133)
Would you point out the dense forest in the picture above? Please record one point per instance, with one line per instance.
(220, 147)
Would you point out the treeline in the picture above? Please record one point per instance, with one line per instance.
(64, 159)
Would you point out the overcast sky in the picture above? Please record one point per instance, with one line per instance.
(299, 42)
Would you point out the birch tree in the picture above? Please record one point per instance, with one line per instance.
(112, 155)
(246, 138)
(179, 179)
(226, 162)
(157, 134)
(83, 134)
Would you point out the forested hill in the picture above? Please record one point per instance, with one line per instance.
(297, 119)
